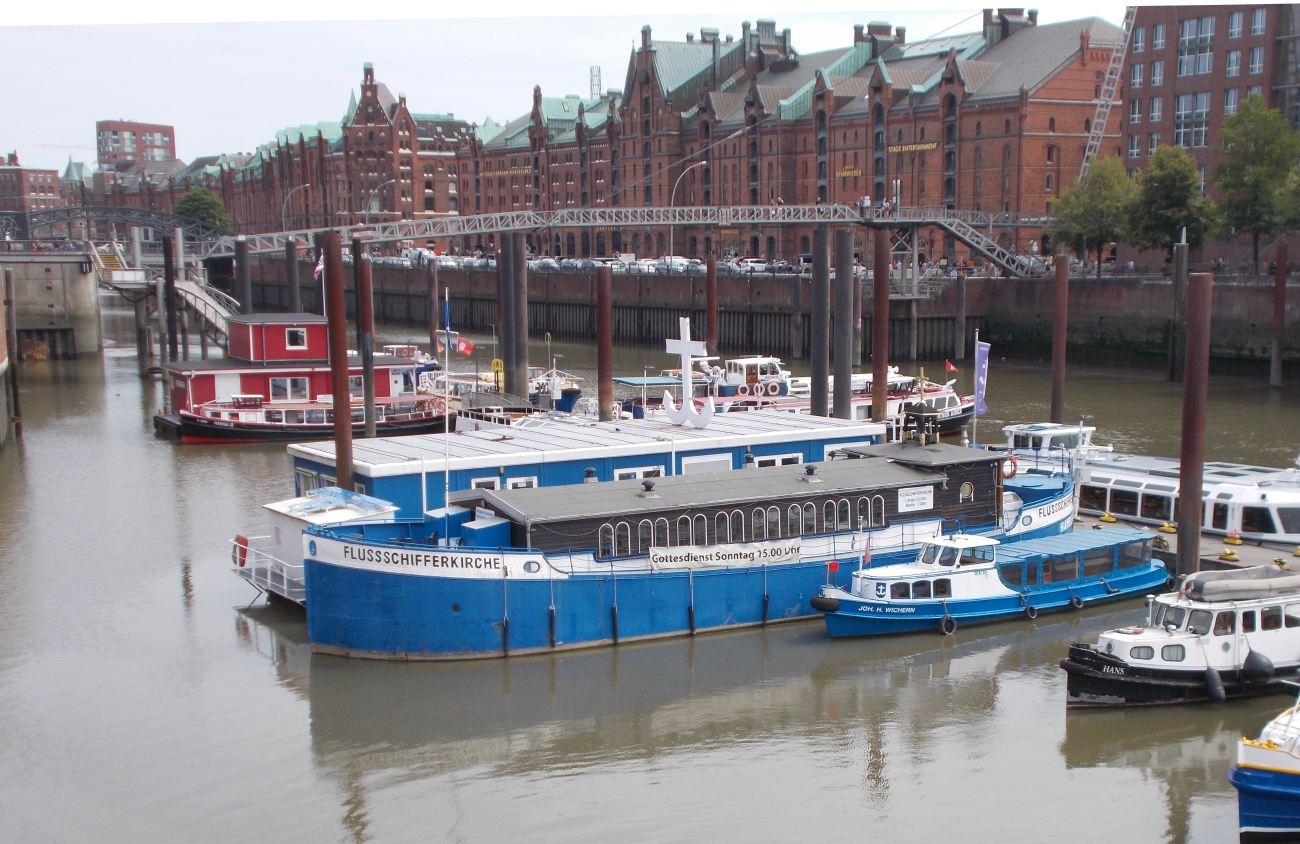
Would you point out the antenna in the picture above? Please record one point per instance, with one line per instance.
(595, 81)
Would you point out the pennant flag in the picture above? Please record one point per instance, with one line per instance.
(948, 367)
(981, 377)
(465, 347)
(320, 268)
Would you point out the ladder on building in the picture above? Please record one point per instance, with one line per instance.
(1109, 89)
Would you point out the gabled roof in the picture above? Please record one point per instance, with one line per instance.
(76, 171)
(1031, 56)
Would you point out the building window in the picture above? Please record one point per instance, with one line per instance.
(978, 186)
(1135, 111)
(1200, 178)
(1049, 182)
(1158, 36)
(288, 389)
(1157, 74)
(1191, 119)
(1196, 46)
(1153, 141)
(1234, 63)
(1006, 183)
(1256, 60)
(1157, 111)
(1135, 75)
(1255, 91)
(1235, 21)
(1134, 146)
(1139, 39)
(1230, 101)
(1257, 20)
(295, 338)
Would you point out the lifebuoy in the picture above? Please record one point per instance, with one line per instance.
(742, 390)
(1009, 467)
(773, 388)
(948, 626)
(439, 405)
(1031, 613)
(239, 552)
(1076, 602)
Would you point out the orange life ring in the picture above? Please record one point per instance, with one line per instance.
(439, 405)
(239, 552)
(1009, 467)
(773, 388)
(742, 390)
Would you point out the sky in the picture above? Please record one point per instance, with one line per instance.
(229, 78)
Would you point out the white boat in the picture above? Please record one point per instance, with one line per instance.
(1267, 779)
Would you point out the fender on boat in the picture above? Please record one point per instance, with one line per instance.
(824, 604)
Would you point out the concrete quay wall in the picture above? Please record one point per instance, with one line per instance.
(56, 303)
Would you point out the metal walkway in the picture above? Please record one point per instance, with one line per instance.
(210, 306)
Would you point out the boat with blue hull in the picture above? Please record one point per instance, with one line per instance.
(959, 580)
(1267, 779)
(529, 569)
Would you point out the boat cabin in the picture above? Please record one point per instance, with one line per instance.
(1049, 435)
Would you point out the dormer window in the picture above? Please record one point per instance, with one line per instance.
(295, 338)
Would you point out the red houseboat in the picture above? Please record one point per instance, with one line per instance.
(274, 385)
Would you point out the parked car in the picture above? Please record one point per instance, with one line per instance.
(1031, 265)
(671, 264)
(781, 267)
(752, 265)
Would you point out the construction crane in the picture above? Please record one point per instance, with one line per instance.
(1109, 89)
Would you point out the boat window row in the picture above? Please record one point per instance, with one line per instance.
(1022, 440)
(1169, 653)
(624, 539)
(1224, 622)
(1065, 567)
(307, 416)
(939, 588)
(1159, 503)
(947, 555)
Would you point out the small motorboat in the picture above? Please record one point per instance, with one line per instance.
(252, 419)
(1267, 779)
(1223, 634)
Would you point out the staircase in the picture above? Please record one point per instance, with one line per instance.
(211, 306)
(981, 242)
(1109, 88)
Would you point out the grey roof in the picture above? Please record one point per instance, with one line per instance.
(1031, 56)
(741, 487)
(287, 319)
(217, 364)
(936, 454)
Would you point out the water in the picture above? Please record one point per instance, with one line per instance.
(146, 696)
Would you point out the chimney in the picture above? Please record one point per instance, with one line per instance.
(690, 38)
(401, 99)
(900, 35)
(717, 57)
(1033, 17)
(786, 49)
(857, 33)
(646, 41)
(730, 38)
(744, 35)
(708, 35)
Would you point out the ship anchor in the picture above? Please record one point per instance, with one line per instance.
(686, 347)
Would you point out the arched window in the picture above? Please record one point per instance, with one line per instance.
(979, 156)
(721, 529)
(1006, 154)
(1051, 155)
(1051, 124)
(1008, 128)
(843, 519)
(645, 536)
(878, 511)
(864, 513)
(809, 519)
(758, 525)
(737, 526)
(828, 517)
(700, 531)
(1049, 182)
(773, 523)
(623, 540)
(1087, 125)
(683, 530)
(661, 533)
(794, 520)
(605, 542)
(979, 128)
(950, 106)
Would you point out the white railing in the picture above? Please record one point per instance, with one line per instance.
(269, 573)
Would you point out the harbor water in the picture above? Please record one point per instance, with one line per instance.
(147, 694)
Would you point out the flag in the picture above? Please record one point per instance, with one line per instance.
(463, 346)
(320, 268)
(948, 367)
(981, 377)
(441, 347)
(833, 566)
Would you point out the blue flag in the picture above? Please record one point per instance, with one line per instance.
(981, 377)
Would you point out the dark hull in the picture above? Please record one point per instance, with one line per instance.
(1098, 680)
(193, 429)
(952, 424)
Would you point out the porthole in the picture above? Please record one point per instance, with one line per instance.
(532, 567)
(311, 548)
(1173, 653)
(1142, 652)
(455, 607)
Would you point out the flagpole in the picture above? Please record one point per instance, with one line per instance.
(975, 417)
(446, 415)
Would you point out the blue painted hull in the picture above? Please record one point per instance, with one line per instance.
(1268, 804)
(877, 618)
(360, 612)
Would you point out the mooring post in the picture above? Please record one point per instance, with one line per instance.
(244, 276)
(431, 280)
(521, 314)
(1060, 326)
(605, 341)
(913, 329)
(821, 317)
(711, 303)
(169, 301)
(178, 235)
(1191, 457)
(959, 321)
(136, 262)
(1279, 315)
(336, 315)
(143, 351)
(291, 275)
(843, 324)
(319, 240)
(11, 347)
(1178, 321)
(796, 317)
(506, 301)
(366, 333)
(880, 328)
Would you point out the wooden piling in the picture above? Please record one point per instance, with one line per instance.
(520, 291)
(291, 276)
(880, 328)
(1191, 457)
(336, 314)
(431, 276)
(959, 321)
(169, 299)
(1060, 326)
(1178, 319)
(843, 324)
(243, 276)
(1279, 315)
(506, 301)
(365, 332)
(11, 347)
(711, 304)
(605, 341)
(821, 317)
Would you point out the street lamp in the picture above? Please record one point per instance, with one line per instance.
(672, 199)
(370, 196)
(284, 207)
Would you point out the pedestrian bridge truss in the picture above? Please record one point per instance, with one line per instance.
(145, 218)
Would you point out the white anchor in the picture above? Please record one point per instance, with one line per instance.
(686, 347)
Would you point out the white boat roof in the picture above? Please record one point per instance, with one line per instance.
(1045, 428)
(331, 505)
(1224, 481)
(962, 540)
(561, 438)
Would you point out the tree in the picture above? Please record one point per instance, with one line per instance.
(201, 204)
(1094, 213)
(1168, 199)
(1258, 151)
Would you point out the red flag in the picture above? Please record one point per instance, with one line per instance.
(948, 367)
(465, 347)
(833, 566)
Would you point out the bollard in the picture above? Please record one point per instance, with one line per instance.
(1060, 326)
(605, 341)
(1191, 456)
(821, 317)
(843, 324)
(880, 328)
(336, 313)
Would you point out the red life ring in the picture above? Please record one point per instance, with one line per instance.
(239, 553)
(742, 390)
(773, 388)
(1009, 467)
(439, 405)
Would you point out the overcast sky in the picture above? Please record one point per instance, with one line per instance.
(228, 84)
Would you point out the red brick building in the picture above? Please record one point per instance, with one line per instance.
(27, 188)
(124, 141)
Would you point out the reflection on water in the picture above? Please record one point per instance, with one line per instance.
(149, 695)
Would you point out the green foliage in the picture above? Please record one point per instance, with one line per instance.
(199, 203)
(1168, 199)
(1094, 213)
(1257, 155)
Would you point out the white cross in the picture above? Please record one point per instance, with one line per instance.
(685, 346)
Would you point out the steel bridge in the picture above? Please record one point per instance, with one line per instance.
(974, 228)
(145, 218)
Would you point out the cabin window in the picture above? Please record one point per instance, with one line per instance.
(638, 472)
(295, 338)
(737, 526)
(779, 460)
(1124, 502)
(1098, 561)
(947, 556)
(1248, 621)
(661, 533)
(316, 417)
(1270, 618)
(529, 482)
(1257, 520)
(326, 480)
(878, 511)
(1220, 520)
(864, 513)
(605, 542)
(289, 389)
(1092, 497)
(1142, 652)
(293, 417)
(1173, 653)
(809, 519)
(921, 589)
(1158, 508)
(1167, 616)
(485, 483)
(900, 590)
(700, 531)
(828, 517)
(1199, 622)
(1134, 554)
(684, 530)
(1290, 517)
(1225, 623)
(1293, 615)
(773, 523)
(943, 588)
(645, 536)
(843, 514)
(623, 540)
(794, 520)
(721, 529)
(305, 481)
(758, 525)
(273, 415)
(1012, 574)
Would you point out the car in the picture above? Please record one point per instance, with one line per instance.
(451, 262)
(671, 264)
(752, 265)
(784, 267)
(1031, 265)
